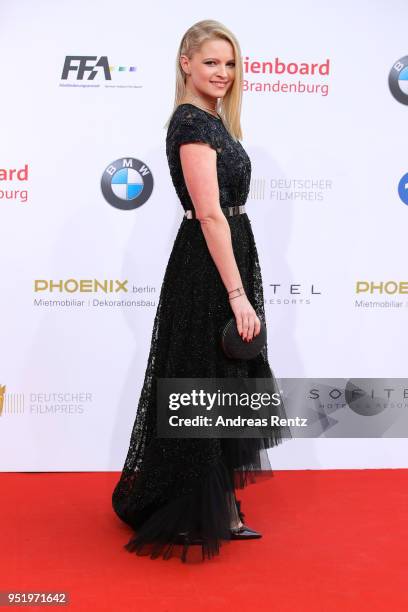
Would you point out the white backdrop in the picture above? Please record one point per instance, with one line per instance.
(72, 374)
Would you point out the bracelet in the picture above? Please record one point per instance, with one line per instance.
(235, 296)
(235, 289)
(232, 290)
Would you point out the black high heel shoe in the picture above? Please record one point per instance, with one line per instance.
(239, 533)
(244, 533)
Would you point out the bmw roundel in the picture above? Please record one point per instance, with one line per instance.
(398, 80)
(127, 183)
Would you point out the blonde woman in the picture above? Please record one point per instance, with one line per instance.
(177, 493)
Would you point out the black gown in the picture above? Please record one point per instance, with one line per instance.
(169, 486)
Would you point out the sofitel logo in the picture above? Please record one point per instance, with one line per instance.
(295, 289)
(127, 183)
(389, 287)
(292, 294)
(73, 285)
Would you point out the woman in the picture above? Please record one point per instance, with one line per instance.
(179, 492)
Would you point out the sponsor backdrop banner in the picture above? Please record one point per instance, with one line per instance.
(88, 213)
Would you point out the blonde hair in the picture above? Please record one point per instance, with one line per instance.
(228, 107)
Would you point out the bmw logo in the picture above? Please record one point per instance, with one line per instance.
(127, 183)
(398, 80)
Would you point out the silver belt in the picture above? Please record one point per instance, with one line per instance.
(229, 211)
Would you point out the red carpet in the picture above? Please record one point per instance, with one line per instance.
(332, 540)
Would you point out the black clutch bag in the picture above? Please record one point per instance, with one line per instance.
(236, 348)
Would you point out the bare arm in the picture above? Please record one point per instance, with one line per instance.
(198, 162)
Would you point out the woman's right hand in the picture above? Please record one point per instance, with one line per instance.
(248, 322)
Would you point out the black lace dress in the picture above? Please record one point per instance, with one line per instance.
(172, 486)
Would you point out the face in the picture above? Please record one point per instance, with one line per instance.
(211, 71)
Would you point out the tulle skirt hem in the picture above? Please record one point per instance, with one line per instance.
(206, 513)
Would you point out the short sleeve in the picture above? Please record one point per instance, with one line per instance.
(192, 125)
